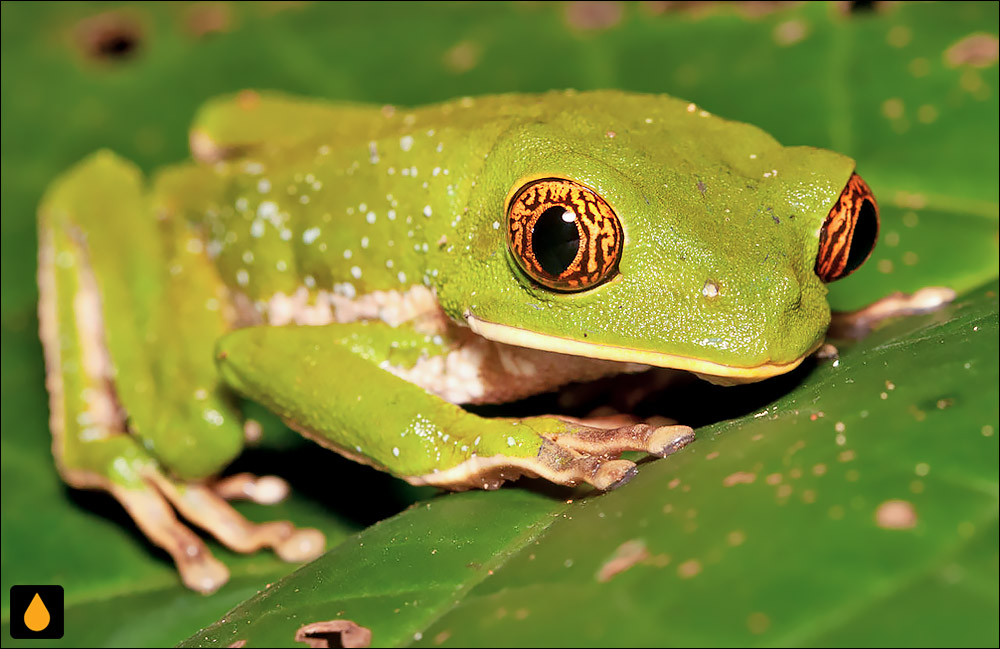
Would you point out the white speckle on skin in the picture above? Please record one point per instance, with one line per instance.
(401, 276)
(391, 215)
(248, 257)
(427, 210)
(370, 217)
(242, 277)
(406, 142)
(395, 451)
(281, 265)
(213, 417)
(347, 254)
(496, 225)
(286, 235)
(356, 272)
(364, 242)
(267, 209)
(310, 235)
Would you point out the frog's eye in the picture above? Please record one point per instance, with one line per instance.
(849, 232)
(563, 235)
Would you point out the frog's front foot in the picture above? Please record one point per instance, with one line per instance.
(577, 454)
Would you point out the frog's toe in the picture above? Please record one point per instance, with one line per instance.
(205, 576)
(199, 570)
(302, 545)
(263, 490)
(662, 440)
(204, 507)
(667, 440)
(613, 474)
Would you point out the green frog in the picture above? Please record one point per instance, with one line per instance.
(363, 271)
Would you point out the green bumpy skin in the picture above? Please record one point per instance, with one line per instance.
(384, 231)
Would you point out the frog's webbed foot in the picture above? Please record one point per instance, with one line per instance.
(858, 324)
(580, 454)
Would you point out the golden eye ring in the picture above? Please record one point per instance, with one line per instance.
(563, 235)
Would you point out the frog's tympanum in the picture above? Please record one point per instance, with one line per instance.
(362, 271)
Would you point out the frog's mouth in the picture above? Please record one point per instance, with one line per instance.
(715, 372)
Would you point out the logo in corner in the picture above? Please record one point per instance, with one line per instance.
(36, 612)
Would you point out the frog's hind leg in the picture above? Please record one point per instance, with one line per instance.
(135, 405)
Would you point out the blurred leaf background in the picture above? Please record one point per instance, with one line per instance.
(908, 89)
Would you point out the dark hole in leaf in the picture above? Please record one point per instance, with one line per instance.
(334, 633)
(862, 6)
(110, 37)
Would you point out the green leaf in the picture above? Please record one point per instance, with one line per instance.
(882, 86)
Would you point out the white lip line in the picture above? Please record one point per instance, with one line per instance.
(546, 342)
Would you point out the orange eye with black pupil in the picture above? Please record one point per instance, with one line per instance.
(563, 235)
(849, 232)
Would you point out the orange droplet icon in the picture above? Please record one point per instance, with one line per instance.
(36, 617)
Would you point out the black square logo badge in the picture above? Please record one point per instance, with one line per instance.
(36, 612)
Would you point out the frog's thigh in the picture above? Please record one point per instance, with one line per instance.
(328, 383)
(104, 384)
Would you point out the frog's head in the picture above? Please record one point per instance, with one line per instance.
(638, 228)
